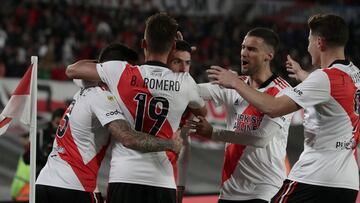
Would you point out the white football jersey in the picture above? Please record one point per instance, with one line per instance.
(250, 172)
(81, 141)
(153, 99)
(330, 97)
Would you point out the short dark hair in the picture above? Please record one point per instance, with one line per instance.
(117, 51)
(331, 27)
(57, 113)
(268, 35)
(160, 32)
(182, 45)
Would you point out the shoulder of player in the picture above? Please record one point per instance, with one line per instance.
(281, 83)
(100, 97)
(96, 92)
(349, 68)
(115, 64)
(181, 76)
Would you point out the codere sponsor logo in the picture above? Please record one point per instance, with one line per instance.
(111, 113)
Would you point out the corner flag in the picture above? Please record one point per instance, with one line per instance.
(22, 105)
(19, 104)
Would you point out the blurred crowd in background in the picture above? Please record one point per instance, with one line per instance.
(61, 32)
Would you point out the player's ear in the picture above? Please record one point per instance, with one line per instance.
(143, 44)
(269, 56)
(321, 43)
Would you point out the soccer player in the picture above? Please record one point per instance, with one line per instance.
(179, 61)
(326, 170)
(153, 99)
(180, 58)
(82, 139)
(254, 165)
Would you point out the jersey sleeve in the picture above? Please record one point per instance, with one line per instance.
(105, 107)
(257, 138)
(110, 71)
(195, 101)
(315, 89)
(215, 93)
(284, 120)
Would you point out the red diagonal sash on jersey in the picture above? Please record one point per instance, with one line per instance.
(86, 173)
(234, 152)
(232, 156)
(4, 122)
(128, 93)
(343, 88)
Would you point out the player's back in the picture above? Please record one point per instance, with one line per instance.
(153, 99)
(80, 144)
(331, 130)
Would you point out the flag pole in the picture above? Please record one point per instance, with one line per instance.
(33, 130)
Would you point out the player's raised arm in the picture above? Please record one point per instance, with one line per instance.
(197, 104)
(257, 138)
(83, 69)
(295, 70)
(272, 106)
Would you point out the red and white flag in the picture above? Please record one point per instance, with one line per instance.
(19, 105)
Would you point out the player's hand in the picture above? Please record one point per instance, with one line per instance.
(180, 193)
(179, 36)
(178, 142)
(201, 125)
(295, 70)
(222, 76)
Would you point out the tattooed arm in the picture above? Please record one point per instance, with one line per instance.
(123, 133)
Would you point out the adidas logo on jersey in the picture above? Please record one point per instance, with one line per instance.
(111, 113)
(236, 103)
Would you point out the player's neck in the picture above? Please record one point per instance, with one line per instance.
(157, 57)
(329, 56)
(257, 79)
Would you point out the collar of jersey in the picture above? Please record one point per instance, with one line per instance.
(343, 62)
(156, 63)
(267, 82)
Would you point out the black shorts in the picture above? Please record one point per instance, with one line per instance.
(136, 193)
(295, 192)
(243, 201)
(50, 194)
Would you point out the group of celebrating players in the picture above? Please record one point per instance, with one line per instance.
(138, 111)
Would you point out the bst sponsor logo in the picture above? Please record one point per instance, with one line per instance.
(111, 113)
